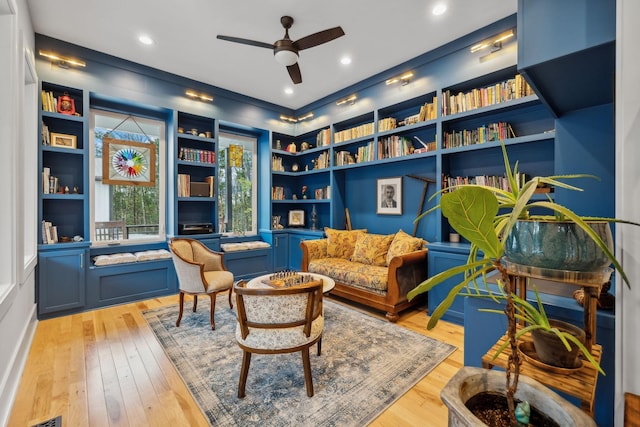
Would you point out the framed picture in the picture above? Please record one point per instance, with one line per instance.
(389, 200)
(128, 162)
(296, 218)
(63, 140)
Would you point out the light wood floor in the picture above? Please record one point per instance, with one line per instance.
(105, 368)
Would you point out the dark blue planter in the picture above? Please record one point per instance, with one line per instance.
(557, 245)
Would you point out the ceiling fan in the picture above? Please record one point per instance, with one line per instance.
(286, 50)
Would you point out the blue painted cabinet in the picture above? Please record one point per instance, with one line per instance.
(61, 280)
(441, 257)
(280, 251)
(295, 252)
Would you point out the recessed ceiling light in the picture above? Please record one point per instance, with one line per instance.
(145, 40)
(439, 9)
(345, 60)
(288, 90)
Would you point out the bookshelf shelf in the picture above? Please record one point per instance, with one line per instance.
(195, 162)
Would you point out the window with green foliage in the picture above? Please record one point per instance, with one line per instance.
(130, 212)
(237, 197)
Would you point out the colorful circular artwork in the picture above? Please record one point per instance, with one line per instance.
(129, 163)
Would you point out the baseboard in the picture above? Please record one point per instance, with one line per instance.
(10, 387)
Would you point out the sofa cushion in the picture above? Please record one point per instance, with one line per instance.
(403, 244)
(372, 249)
(341, 243)
(369, 277)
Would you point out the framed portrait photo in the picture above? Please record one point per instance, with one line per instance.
(389, 199)
(296, 218)
(63, 140)
(128, 162)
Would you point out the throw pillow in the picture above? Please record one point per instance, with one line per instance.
(371, 249)
(341, 243)
(403, 244)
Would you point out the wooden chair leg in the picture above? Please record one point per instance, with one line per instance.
(244, 371)
(320, 346)
(213, 309)
(181, 305)
(306, 363)
(195, 302)
(230, 293)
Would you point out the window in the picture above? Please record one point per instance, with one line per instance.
(237, 198)
(135, 211)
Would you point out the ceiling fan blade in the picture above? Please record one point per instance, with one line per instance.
(294, 72)
(318, 38)
(246, 41)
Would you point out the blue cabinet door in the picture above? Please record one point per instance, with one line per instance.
(295, 252)
(61, 280)
(280, 248)
(440, 260)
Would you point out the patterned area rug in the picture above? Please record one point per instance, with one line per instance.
(366, 364)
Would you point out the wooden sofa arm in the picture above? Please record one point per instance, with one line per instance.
(405, 273)
(312, 249)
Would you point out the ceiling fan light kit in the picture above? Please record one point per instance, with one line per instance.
(285, 50)
(286, 57)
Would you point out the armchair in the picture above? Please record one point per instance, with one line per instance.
(272, 321)
(200, 271)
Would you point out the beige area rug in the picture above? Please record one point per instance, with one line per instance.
(366, 364)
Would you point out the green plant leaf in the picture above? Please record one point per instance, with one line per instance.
(471, 211)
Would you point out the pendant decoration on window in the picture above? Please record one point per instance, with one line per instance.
(128, 162)
(235, 155)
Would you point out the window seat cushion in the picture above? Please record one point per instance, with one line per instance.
(243, 246)
(125, 257)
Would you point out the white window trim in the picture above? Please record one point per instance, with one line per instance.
(161, 158)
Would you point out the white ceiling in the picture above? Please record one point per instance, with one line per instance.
(379, 35)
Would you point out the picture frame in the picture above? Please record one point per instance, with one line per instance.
(296, 218)
(63, 140)
(128, 162)
(389, 196)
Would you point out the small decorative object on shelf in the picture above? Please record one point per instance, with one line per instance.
(304, 191)
(66, 105)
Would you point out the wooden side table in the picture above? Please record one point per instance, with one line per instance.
(580, 383)
(590, 282)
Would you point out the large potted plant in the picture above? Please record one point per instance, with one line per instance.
(489, 218)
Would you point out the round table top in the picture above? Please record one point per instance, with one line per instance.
(327, 282)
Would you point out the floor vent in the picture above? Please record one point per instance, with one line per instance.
(53, 422)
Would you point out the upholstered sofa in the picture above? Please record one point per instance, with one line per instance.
(371, 269)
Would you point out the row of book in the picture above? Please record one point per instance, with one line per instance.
(49, 101)
(46, 135)
(276, 164)
(49, 233)
(501, 182)
(323, 138)
(394, 146)
(485, 133)
(353, 133)
(507, 90)
(195, 155)
(184, 185)
(277, 193)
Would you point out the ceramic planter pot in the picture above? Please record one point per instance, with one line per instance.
(552, 351)
(469, 381)
(557, 245)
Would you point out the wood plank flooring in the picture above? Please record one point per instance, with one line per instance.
(106, 368)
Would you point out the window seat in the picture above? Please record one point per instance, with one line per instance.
(127, 257)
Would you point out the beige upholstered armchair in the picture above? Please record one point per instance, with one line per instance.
(274, 321)
(200, 271)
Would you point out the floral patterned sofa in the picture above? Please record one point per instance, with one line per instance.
(372, 269)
